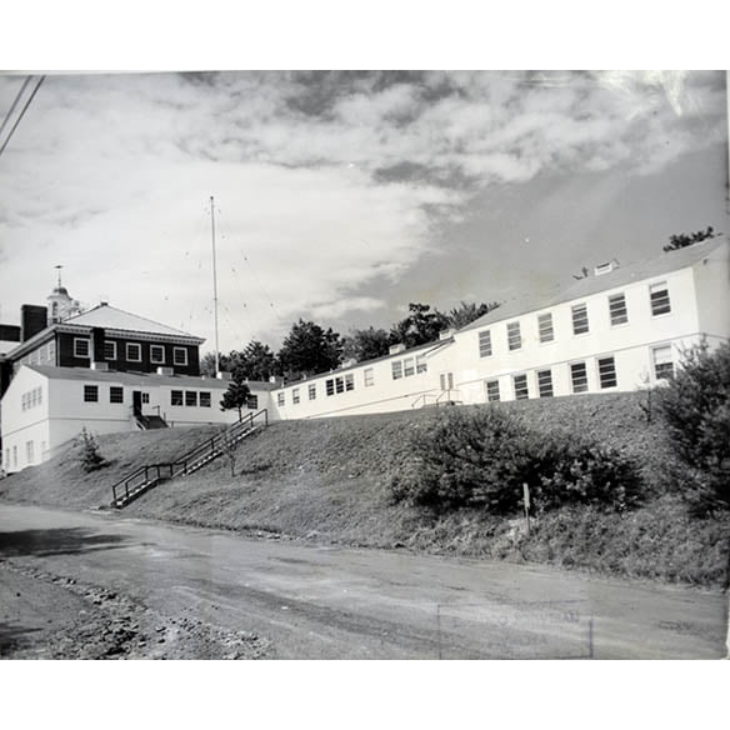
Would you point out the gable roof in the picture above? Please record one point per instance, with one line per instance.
(112, 318)
(620, 276)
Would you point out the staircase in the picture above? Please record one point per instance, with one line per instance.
(147, 476)
(149, 422)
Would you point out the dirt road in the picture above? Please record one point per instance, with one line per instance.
(99, 585)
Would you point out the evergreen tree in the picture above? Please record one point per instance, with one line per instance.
(682, 240)
(465, 313)
(366, 344)
(419, 327)
(308, 349)
(237, 395)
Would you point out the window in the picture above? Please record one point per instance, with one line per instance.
(368, 377)
(580, 319)
(179, 355)
(659, 295)
(110, 350)
(545, 327)
(339, 385)
(520, 385)
(51, 352)
(330, 387)
(312, 392)
(663, 363)
(81, 347)
(409, 367)
(579, 377)
(514, 338)
(280, 399)
(145, 397)
(397, 367)
(29, 448)
(447, 381)
(116, 394)
(134, 352)
(607, 372)
(545, 383)
(204, 399)
(492, 390)
(350, 381)
(421, 364)
(157, 354)
(91, 393)
(617, 309)
(176, 398)
(191, 398)
(24, 401)
(252, 402)
(295, 396)
(485, 343)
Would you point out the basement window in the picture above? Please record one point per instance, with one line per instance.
(176, 397)
(91, 394)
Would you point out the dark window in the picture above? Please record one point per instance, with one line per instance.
(252, 402)
(204, 399)
(134, 352)
(520, 383)
(579, 377)
(157, 354)
(617, 309)
(545, 327)
(330, 387)
(110, 350)
(514, 337)
(81, 347)
(408, 367)
(580, 319)
(659, 299)
(492, 390)
(280, 399)
(295, 396)
(176, 397)
(191, 397)
(607, 372)
(485, 343)
(397, 368)
(339, 385)
(145, 397)
(91, 393)
(349, 382)
(312, 392)
(180, 356)
(116, 394)
(663, 363)
(545, 383)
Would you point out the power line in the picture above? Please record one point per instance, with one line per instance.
(22, 112)
(15, 103)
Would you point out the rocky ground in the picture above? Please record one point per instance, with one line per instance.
(46, 616)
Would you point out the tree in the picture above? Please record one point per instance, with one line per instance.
(419, 327)
(255, 362)
(365, 344)
(91, 459)
(308, 349)
(465, 313)
(682, 240)
(236, 396)
(207, 364)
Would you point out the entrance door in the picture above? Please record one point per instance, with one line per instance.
(137, 402)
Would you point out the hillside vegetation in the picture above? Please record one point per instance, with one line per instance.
(330, 480)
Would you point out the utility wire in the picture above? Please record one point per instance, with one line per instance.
(15, 103)
(22, 112)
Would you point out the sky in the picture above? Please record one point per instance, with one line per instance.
(343, 196)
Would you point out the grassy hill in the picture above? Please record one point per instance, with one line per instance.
(326, 480)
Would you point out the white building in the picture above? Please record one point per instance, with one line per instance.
(619, 329)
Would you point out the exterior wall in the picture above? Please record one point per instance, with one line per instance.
(385, 395)
(630, 344)
(712, 284)
(21, 426)
(66, 357)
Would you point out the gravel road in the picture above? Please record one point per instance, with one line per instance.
(87, 585)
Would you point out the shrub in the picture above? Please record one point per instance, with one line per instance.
(91, 459)
(695, 405)
(481, 458)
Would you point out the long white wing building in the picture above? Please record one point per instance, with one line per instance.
(620, 328)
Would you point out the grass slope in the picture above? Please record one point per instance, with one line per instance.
(327, 480)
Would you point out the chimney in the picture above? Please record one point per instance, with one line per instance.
(9, 333)
(95, 365)
(97, 344)
(396, 349)
(162, 370)
(33, 319)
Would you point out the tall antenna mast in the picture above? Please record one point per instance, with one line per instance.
(215, 288)
(59, 267)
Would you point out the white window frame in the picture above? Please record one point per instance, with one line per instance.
(527, 386)
(205, 399)
(128, 352)
(545, 387)
(180, 397)
(295, 396)
(153, 359)
(409, 367)
(514, 336)
(573, 386)
(349, 382)
(601, 373)
(175, 352)
(421, 364)
(280, 399)
(579, 318)
(545, 333)
(658, 288)
(669, 360)
(195, 398)
(368, 377)
(490, 398)
(113, 345)
(312, 391)
(615, 313)
(77, 341)
(485, 343)
(95, 390)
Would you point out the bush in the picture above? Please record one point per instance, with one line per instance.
(91, 459)
(481, 458)
(695, 405)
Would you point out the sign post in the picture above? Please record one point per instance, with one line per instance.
(526, 503)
